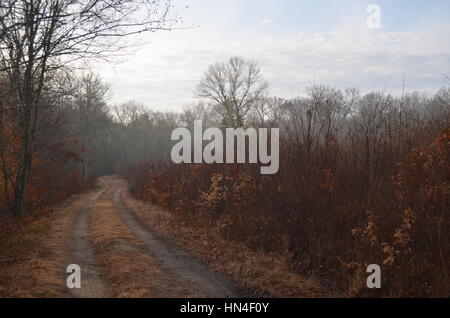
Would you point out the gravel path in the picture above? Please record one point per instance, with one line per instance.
(92, 286)
(182, 264)
(186, 269)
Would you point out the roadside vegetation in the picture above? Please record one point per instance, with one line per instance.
(363, 178)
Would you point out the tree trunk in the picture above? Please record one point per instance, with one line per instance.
(20, 189)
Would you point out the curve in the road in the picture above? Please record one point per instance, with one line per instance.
(174, 259)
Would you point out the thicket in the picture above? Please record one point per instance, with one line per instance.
(362, 180)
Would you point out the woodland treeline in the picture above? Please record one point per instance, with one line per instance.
(363, 178)
(41, 43)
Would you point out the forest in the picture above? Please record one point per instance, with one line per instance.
(363, 175)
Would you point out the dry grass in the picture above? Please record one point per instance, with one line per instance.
(34, 252)
(123, 260)
(264, 274)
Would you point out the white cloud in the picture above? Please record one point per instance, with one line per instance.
(267, 21)
(164, 73)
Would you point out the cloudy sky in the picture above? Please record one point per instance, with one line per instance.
(296, 42)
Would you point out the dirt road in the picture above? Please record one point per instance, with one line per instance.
(120, 256)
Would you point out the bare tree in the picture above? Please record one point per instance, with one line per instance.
(91, 113)
(128, 112)
(200, 111)
(269, 111)
(40, 36)
(235, 86)
(332, 107)
(368, 131)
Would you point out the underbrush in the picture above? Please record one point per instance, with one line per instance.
(28, 257)
(329, 220)
(32, 246)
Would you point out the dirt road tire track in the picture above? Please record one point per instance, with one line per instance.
(206, 282)
(92, 286)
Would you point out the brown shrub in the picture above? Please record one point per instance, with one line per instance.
(326, 214)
